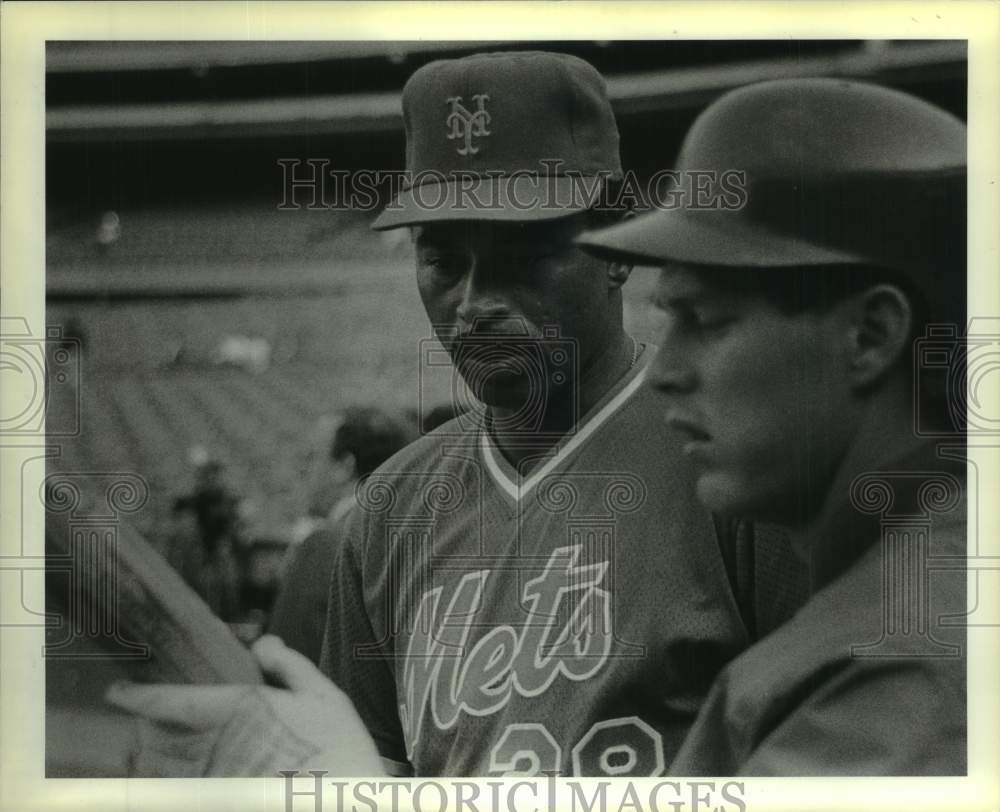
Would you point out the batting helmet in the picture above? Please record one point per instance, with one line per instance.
(835, 172)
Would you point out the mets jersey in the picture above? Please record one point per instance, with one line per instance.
(567, 622)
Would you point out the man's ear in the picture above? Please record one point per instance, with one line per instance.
(881, 327)
(619, 272)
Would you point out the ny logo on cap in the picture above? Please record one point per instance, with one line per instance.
(466, 124)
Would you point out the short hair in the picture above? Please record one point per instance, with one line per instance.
(819, 288)
(371, 435)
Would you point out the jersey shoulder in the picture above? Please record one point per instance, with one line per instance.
(430, 450)
(428, 467)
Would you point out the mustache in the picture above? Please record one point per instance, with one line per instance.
(509, 330)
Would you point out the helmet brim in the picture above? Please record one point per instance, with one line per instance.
(715, 238)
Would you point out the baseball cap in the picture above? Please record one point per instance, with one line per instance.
(836, 172)
(511, 137)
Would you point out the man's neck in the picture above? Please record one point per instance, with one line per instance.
(522, 450)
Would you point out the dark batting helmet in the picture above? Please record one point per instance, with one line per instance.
(836, 173)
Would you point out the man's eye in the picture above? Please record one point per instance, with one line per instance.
(443, 264)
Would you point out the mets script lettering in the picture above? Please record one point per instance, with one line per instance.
(442, 674)
(464, 123)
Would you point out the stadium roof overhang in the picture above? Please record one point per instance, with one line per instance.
(631, 93)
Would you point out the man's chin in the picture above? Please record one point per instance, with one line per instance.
(502, 391)
(724, 493)
(499, 384)
(748, 497)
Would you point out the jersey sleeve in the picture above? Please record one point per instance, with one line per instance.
(894, 717)
(354, 657)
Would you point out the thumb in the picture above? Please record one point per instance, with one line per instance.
(287, 667)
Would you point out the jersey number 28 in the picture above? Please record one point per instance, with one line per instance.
(626, 746)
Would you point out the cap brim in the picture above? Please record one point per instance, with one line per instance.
(723, 238)
(517, 199)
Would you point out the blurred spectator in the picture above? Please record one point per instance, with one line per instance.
(182, 540)
(211, 565)
(439, 415)
(73, 336)
(324, 480)
(108, 232)
(251, 354)
(364, 439)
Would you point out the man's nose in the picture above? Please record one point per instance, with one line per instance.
(671, 372)
(483, 299)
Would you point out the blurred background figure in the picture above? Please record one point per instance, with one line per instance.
(211, 562)
(109, 230)
(436, 416)
(363, 439)
(251, 354)
(324, 481)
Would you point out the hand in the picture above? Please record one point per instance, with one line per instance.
(240, 730)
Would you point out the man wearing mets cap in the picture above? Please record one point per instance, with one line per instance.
(532, 588)
(790, 367)
(544, 595)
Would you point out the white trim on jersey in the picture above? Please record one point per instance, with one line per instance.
(518, 491)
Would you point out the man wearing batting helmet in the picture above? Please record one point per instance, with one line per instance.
(787, 368)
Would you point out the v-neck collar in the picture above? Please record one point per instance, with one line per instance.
(506, 475)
